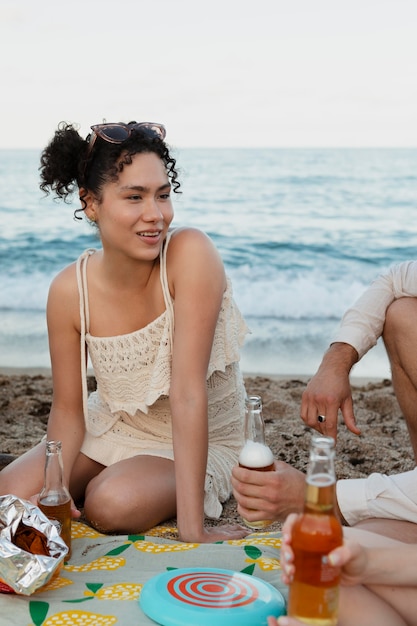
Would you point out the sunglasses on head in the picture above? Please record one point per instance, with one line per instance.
(119, 132)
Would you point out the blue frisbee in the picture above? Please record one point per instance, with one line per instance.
(207, 596)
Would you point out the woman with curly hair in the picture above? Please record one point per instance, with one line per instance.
(153, 310)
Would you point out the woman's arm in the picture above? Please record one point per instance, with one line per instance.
(197, 283)
(393, 565)
(66, 420)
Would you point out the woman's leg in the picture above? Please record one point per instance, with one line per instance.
(369, 539)
(360, 606)
(24, 476)
(84, 470)
(132, 496)
(400, 334)
(382, 605)
(403, 531)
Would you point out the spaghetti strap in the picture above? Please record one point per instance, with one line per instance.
(165, 287)
(81, 271)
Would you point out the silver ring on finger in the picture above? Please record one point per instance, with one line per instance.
(321, 419)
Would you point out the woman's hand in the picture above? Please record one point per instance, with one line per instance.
(351, 557)
(75, 513)
(287, 555)
(224, 532)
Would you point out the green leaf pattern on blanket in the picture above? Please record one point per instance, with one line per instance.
(38, 611)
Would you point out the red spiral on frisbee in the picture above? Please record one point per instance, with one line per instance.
(212, 590)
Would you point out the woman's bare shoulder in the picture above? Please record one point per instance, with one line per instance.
(65, 278)
(193, 257)
(188, 239)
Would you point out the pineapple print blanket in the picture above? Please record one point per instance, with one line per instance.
(101, 584)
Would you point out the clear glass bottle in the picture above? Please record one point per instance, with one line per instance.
(314, 592)
(255, 454)
(54, 499)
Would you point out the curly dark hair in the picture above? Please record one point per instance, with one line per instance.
(66, 163)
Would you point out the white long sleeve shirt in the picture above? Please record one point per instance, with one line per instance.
(378, 495)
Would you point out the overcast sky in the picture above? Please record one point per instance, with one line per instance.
(215, 72)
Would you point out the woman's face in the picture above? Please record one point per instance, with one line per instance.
(135, 212)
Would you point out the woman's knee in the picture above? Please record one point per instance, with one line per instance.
(401, 315)
(400, 328)
(131, 496)
(103, 504)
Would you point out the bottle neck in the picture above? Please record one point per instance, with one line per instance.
(320, 495)
(54, 474)
(254, 423)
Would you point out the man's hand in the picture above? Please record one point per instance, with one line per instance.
(329, 390)
(268, 495)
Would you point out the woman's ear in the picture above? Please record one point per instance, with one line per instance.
(89, 203)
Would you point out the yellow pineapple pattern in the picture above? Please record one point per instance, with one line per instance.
(105, 563)
(158, 548)
(265, 564)
(79, 530)
(160, 531)
(80, 618)
(262, 540)
(55, 583)
(118, 591)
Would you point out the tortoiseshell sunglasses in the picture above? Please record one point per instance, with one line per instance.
(119, 132)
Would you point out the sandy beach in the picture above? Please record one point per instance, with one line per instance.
(25, 398)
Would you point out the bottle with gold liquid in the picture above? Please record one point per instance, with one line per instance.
(54, 499)
(255, 454)
(314, 592)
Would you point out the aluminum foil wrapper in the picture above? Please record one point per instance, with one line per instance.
(22, 571)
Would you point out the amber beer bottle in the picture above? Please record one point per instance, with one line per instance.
(255, 454)
(314, 592)
(54, 499)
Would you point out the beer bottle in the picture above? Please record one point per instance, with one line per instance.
(255, 454)
(314, 592)
(54, 499)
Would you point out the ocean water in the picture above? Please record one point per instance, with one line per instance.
(302, 233)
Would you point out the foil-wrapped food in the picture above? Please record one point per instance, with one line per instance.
(31, 550)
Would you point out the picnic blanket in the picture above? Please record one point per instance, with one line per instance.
(101, 584)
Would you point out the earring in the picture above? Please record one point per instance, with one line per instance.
(92, 218)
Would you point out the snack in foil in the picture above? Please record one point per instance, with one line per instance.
(31, 550)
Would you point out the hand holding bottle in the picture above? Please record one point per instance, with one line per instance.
(314, 580)
(255, 454)
(75, 512)
(351, 557)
